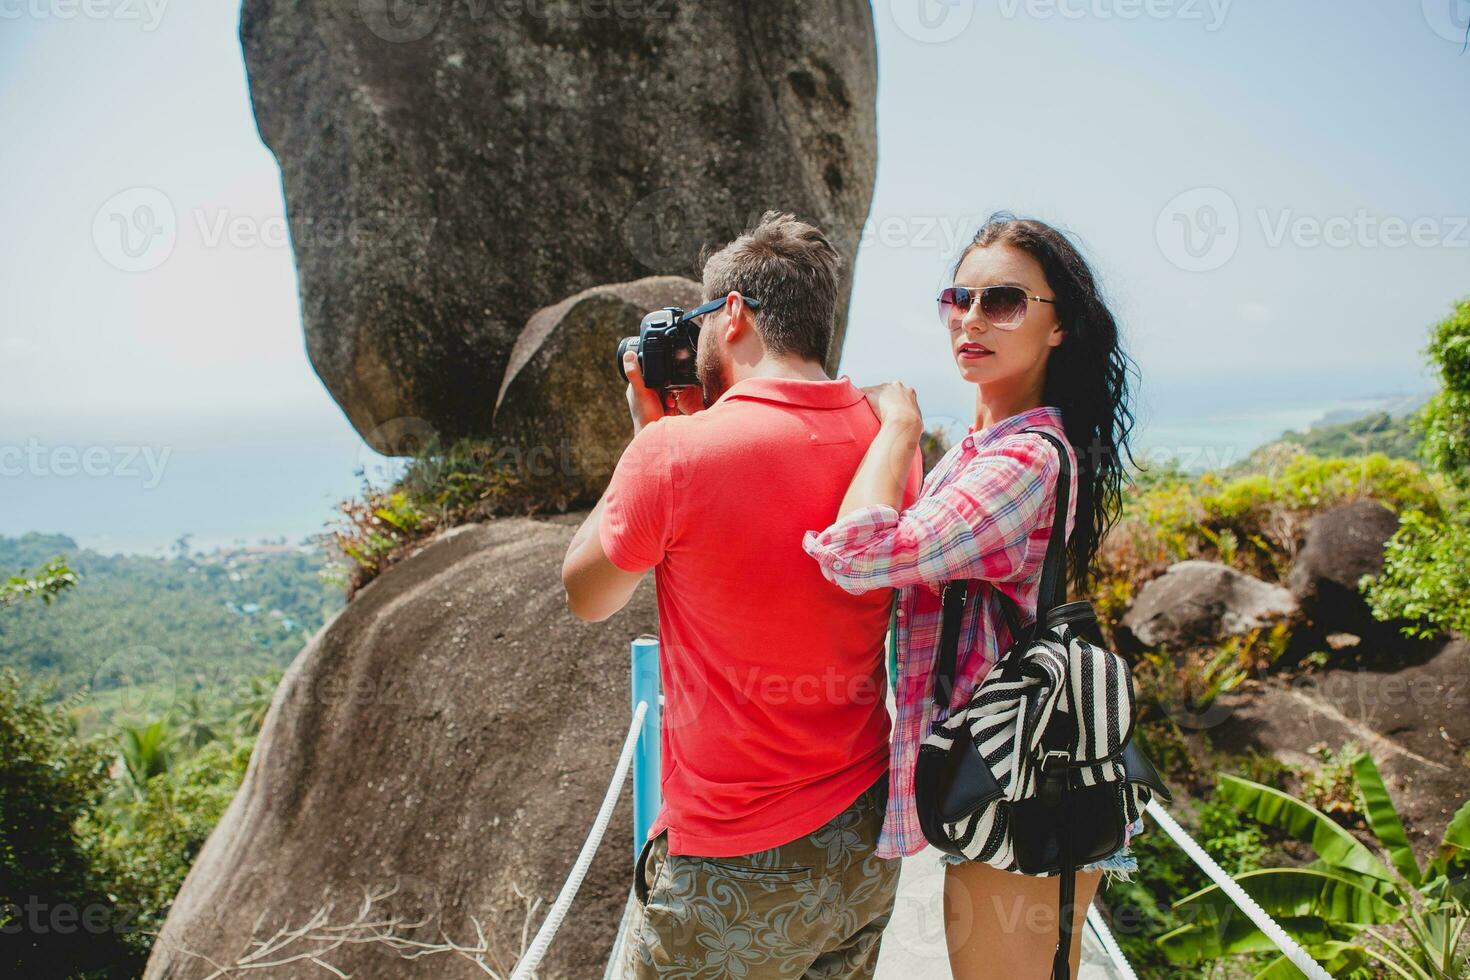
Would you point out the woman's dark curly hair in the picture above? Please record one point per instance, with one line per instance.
(1086, 377)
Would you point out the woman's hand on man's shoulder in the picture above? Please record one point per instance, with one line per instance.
(895, 403)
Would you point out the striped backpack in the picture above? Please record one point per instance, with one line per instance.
(1037, 773)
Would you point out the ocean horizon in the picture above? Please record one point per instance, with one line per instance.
(136, 485)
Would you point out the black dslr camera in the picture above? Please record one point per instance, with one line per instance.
(666, 342)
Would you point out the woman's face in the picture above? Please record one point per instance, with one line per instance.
(987, 354)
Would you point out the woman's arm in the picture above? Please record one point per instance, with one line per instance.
(881, 477)
(977, 526)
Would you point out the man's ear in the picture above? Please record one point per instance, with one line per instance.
(738, 322)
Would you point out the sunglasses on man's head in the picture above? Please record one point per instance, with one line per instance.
(1002, 306)
(715, 304)
(692, 317)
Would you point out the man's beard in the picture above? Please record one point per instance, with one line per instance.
(710, 369)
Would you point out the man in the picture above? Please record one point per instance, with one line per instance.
(761, 862)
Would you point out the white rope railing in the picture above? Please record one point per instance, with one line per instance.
(1105, 939)
(526, 968)
(1299, 957)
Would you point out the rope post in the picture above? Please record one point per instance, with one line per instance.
(646, 760)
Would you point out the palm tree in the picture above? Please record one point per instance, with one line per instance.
(146, 752)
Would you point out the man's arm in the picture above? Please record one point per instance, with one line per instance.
(596, 588)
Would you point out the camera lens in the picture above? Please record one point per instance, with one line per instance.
(626, 344)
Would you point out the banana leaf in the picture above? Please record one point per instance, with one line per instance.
(1453, 859)
(1384, 818)
(1293, 893)
(1196, 942)
(1272, 807)
(1338, 959)
(1386, 890)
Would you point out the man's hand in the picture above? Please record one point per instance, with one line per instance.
(647, 405)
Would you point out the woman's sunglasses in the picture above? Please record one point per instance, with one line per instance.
(1002, 306)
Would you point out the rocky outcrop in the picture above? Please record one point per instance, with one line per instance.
(449, 169)
(1342, 545)
(1201, 602)
(562, 414)
(1414, 720)
(444, 741)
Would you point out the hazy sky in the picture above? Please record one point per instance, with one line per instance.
(1274, 194)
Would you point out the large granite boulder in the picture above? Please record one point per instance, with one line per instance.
(1342, 545)
(451, 168)
(1413, 718)
(1201, 602)
(561, 418)
(442, 745)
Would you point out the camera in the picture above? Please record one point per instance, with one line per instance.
(665, 347)
(666, 343)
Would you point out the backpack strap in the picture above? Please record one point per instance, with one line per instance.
(1054, 571)
(958, 592)
(1053, 590)
(956, 596)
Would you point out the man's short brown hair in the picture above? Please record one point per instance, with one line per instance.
(791, 268)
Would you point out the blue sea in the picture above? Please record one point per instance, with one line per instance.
(138, 484)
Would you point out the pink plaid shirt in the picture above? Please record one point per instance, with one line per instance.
(985, 512)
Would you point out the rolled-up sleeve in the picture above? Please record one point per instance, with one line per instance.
(976, 526)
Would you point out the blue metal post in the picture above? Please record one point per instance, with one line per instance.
(646, 757)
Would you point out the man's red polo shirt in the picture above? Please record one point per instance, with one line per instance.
(775, 713)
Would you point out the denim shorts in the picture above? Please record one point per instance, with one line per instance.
(1119, 864)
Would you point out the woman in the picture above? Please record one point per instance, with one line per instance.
(1028, 327)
